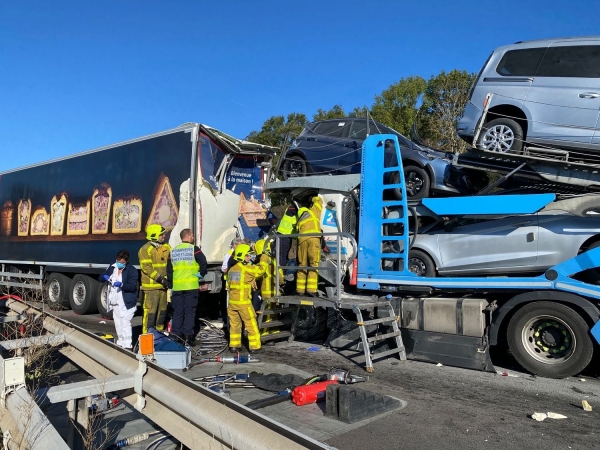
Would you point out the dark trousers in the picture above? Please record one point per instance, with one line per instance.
(184, 305)
(285, 243)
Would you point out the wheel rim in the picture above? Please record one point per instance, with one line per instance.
(54, 291)
(417, 266)
(499, 138)
(548, 339)
(79, 293)
(104, 296)
(294, 168)
(414, 183)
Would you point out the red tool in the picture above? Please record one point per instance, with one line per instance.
(310, 393)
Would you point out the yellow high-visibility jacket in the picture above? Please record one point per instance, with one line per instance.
(309, 220)
(153, 263)
(241, 279)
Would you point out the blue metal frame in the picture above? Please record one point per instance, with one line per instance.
(489, 205)
(371, 273)
(375, 179)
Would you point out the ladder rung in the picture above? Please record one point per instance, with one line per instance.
(386, 353)
(271, 336)
(382, 320)
(268, 312)
(383, 336)
(276, 323)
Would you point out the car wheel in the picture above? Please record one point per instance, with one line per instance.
(82, 294)
(421, 264)
(57, 290)
(550, 340)
(102, 301)
(501, 135)
(417, 183)
(294, 166)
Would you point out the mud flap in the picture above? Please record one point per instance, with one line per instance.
(451, 350)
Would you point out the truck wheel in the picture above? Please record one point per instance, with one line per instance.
(421, 263)
(82, 294)
(550, 340)
(501, 135)
(102, 301)
(57, 289)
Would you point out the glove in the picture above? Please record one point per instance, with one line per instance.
(105, 277)
(117, 284)
(162, 280)
(200, 277)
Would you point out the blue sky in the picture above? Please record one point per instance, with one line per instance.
(78, 75)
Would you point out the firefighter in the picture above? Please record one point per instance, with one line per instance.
(153, 263)
(287, 225)
(241, 278)
(267, 262)
(309, 248)
(186, 268)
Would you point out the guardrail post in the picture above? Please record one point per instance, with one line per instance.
(138, 382)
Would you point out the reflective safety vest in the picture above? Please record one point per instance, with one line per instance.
(185, 267)
(153, 263)
(287, 224)
(241, 280)
(309, 222)
(267, 286)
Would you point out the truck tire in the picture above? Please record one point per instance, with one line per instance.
(57, 290)
(550, 340)
(82, 294)
(102, 301)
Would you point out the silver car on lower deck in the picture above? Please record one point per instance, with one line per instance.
(508, 245)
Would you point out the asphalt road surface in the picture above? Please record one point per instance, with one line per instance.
(449, 408)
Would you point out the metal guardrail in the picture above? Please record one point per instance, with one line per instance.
(196, 416)
(6, 277)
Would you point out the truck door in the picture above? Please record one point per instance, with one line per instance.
(564, 98)
(476, 245)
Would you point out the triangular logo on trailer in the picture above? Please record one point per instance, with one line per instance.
(164, 209)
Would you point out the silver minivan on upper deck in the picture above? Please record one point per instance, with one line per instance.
(546, 94)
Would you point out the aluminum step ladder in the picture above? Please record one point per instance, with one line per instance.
(367, 342)
(265, 320)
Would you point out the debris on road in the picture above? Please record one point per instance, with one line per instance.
(540, 417)
(586, 406)
(313, 349)
(439, 365)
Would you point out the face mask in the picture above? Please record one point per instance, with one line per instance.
(120, 265)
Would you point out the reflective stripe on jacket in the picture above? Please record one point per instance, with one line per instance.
(267, 286)
(241, 279)
(153, 263)
(309, 221)
(185, 267)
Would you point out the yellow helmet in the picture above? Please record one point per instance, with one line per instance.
(259, 246)
(154, 231)
(241, 251)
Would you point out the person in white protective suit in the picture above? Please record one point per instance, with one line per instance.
(121, 298)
